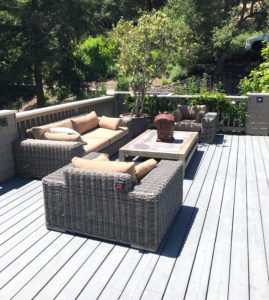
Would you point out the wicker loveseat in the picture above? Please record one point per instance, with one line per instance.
(38, 157)
(88, 202)
(195, 118)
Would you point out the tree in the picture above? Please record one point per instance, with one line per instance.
(42, 36)
(145, 48)
(258, 80)
(215, 22)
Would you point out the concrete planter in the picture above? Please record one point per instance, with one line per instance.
(136, 125)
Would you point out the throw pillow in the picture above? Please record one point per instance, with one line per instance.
(38, 132)
(187, 111)
(178, 115)
(144, 168)
(62, 137)
(109, 123)
(85, 123)
(102, 157)
(64, 130)
(109, 166)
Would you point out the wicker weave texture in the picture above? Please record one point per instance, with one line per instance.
(38, 158)
(209, 127)
(87, 202)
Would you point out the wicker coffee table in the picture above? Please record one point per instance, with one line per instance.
(182, 148)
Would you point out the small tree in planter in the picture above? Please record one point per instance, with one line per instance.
(145, 48)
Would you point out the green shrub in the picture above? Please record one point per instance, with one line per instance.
(258, 80)
(153, 105)
(123, 83)
(178, 72)
(97, 56)
(165, 80)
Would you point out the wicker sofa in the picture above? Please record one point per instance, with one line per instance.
(35, 157)
(196, 118)
(87, 202)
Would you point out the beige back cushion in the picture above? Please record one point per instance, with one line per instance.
(178, 115)
(85, 123)
(62, 137)
(39, 131)
(144, 168)
(109, 166)
(102, 157)
(109, 123)
(200, 111)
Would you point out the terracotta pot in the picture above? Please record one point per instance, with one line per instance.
(135, 124)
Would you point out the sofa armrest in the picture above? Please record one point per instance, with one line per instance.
(38, 158)
(210, 117)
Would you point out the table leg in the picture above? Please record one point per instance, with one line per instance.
(122, 156)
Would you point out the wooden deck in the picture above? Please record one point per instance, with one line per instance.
(217, 247)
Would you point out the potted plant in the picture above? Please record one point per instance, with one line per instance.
(145, 47)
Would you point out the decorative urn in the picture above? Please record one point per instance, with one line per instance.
(165, 127)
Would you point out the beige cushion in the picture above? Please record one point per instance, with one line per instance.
(178, 115)
(200, 111)
(187, 111)
(144, 168)
(39, 131)
(62, 137)
(95, 145)
(109, 123)
(109, 166)
(188, 125)
(102, 157)
(85, 123)
(111, 135)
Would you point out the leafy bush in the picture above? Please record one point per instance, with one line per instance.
(178, 72)
(123, 83)
(197, 85)
(220, 103)
(258, 80)
(153, 105)
(165, 80)
(97, 56)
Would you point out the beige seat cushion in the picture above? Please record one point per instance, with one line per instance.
(188, 125)
(96, 144)
(102, 157)
(39, 131)
(62, 137)
(109, 166)
(111, 135)
(109, 123)
(144, 168)
(85, 123)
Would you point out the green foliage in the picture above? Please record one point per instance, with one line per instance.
(97, 57)
(145, 48)
(178, 72)
(123, 83)
(220, 103)
(165, 80)
(153, 105)
(197, 85)
(258, 80)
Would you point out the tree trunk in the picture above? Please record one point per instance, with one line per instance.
(149, 4)
(36, 54)
(39, 84)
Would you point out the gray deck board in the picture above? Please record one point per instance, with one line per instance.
(216, 248)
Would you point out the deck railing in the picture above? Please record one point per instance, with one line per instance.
(227, 121)
(112, 106)
(102, 105)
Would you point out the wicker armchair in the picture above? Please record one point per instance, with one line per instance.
(88, 202)
(195, 118)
